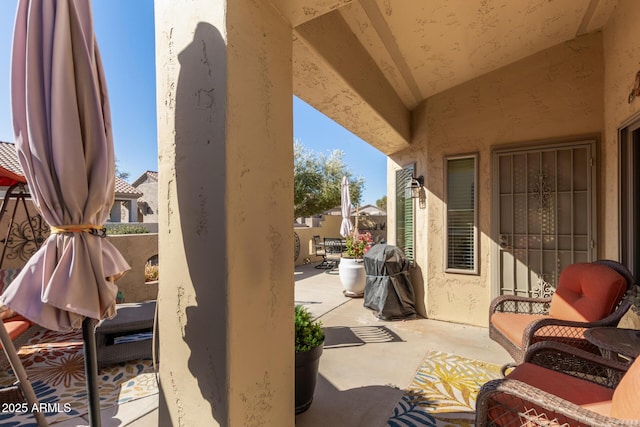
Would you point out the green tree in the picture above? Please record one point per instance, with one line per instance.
(382, 203)
(317, 179)
(121, 174)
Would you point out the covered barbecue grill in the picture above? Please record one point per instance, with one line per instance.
(388, 291)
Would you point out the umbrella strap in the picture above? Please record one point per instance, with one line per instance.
(94, 230)
(389, 275)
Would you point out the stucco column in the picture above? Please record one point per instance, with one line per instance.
(116, 212)
(224, 85)
(133, 210)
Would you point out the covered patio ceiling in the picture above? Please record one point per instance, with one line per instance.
(368, 63)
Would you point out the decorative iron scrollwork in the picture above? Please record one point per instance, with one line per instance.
(24, 238)
(542, 289)
(542, 191)
(296, 246)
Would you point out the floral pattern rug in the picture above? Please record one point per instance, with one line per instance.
(54, 362)
(443, 392)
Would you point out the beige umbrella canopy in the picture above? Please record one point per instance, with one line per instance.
(345, 208)
(63, 136)
(62, 126)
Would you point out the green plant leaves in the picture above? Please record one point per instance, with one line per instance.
(308, 333)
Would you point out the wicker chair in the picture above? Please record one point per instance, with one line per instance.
(559, 385)
(588, 295)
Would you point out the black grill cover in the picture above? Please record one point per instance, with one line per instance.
(388, 291)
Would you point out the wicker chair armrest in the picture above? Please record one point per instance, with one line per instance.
(508, 304)
(521, 394)
(557, 328)
(576, 362)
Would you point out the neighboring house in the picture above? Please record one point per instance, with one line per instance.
(125, 206)
(126, 196)
(9, 162)
(362, 210)
(147, 183)
(371, 210)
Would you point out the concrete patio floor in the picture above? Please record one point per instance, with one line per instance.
(365, 365)
(367, 362)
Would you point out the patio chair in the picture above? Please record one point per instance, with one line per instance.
(318, 250)
(333, 248)
(588, 295)
(560, 385)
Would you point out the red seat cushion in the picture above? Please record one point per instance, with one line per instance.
(512, 325)
(505, 411)
(16, 325)
(587, 292)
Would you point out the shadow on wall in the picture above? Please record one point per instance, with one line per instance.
(417, 280)
(200, 181)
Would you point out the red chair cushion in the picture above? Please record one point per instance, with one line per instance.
(587, 292)
(625, 403)
(512, 325)
(15, 326)
(584, 393)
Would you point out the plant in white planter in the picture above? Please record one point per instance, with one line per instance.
(351, 268)
(309, 345)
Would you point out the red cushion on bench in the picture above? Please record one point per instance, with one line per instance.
(16, 325)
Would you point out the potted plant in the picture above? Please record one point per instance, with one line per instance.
(351, 268)
(309, 345)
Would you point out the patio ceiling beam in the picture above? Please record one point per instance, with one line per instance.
(334, 73)
(298, 12)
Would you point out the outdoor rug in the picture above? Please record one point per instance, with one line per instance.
(54, 362)
(443, 392)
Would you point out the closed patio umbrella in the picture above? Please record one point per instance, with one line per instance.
(63, 136)
(345, 207)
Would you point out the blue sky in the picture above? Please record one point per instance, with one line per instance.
(125, 33)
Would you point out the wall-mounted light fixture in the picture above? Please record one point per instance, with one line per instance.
(414, 186)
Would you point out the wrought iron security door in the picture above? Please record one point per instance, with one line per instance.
(544, 215)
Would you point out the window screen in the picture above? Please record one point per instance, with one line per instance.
(461, 214)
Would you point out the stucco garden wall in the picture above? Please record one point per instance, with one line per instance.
(330, 227)
(555, 94)
(136, 250)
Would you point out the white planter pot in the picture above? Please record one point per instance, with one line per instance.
(352, 276)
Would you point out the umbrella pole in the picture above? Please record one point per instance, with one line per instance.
(91, 370)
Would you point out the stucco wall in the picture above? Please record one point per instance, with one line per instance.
(136, 250)
(622, 62)
(555, 94)
(150, 190)
(224, 84)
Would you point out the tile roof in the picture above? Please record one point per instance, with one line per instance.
(9, 158)
(147, 174)
(123, 188)
(9, 161)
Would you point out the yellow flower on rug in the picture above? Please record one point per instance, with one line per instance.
(443, 392)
